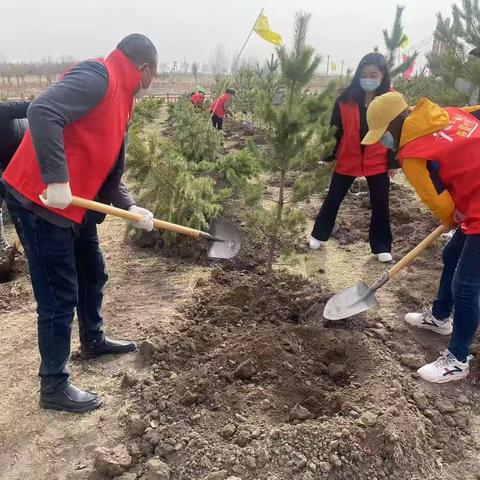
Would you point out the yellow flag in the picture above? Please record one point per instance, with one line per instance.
(404, 42)
(334, 66)
(263, 30)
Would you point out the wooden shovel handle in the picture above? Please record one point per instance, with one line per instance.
(135, 217)
(413, 254)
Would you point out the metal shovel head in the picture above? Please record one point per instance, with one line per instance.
(350, 302)
(226, 243)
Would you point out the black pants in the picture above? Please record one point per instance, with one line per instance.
(67, 272)
(217, 122)
(380, 232)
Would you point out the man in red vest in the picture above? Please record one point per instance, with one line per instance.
(76, 144)
(439, 150)
(220, 107)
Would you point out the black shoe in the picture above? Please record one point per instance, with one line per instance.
(70, 399)
(107, 346)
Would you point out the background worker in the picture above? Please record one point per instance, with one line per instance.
(220, 108)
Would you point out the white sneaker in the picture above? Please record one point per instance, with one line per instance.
(428, 321)
(444, 369)
(314, 244)
(384, 257)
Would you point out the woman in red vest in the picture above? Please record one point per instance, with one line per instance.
(355, 160)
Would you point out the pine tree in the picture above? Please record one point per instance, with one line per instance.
(190, 129)
(393, 42)
(163, 180)
(299, 136)
(461, 40)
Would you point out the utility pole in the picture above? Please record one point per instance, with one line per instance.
(328, 64)
(343, 64)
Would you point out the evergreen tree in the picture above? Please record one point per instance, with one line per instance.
(192, 134)
(163, 180)
(299, 135)
(394, 41)
(461, 56)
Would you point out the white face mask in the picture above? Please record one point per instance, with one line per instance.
(142, 92)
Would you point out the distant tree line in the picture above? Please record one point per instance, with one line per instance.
(46, 69)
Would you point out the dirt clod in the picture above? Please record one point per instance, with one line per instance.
(443, 405)
(299, 413)
(112, 462)
(228, 431)
(136, 425)
(420, 400)
(325, 467)
(369, 419)
(147, 350)
(246, 370)
(337, 371)
(412, 360)
(128, 381)
(157, 470)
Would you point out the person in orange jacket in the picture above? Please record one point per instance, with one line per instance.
(439, 151)
(220, 107)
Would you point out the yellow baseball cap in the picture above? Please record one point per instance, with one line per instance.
(381, 112)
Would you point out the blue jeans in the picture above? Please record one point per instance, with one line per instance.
(459, 291)
(67, 272)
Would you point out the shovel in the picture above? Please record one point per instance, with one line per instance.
(361, 297)
(223, 237)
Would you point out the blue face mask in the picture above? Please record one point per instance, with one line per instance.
(387, 141)
(370, 84)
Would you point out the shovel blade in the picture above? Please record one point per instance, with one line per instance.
(350, 302)
(229, 233)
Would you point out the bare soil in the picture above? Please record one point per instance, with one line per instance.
(238, 376)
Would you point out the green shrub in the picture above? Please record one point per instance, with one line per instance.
(192, 133)
(162, 180)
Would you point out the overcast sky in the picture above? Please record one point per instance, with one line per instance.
(190, 29)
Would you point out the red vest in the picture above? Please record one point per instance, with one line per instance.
(92, 143)
(350, 158)
(455, 155)
(218, 106)
(197, 99)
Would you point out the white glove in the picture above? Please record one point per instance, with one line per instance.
(57, 195)
(146, 223)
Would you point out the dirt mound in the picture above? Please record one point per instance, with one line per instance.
(254, 386)
(241, 299)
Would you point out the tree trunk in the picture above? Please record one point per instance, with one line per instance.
(274, 237)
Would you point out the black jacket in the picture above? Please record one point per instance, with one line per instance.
(13, 125)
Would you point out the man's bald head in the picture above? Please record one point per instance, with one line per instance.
(139, 49)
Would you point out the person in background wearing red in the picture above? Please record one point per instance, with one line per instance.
(198, 97)
(354, 160)
(220, 108)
